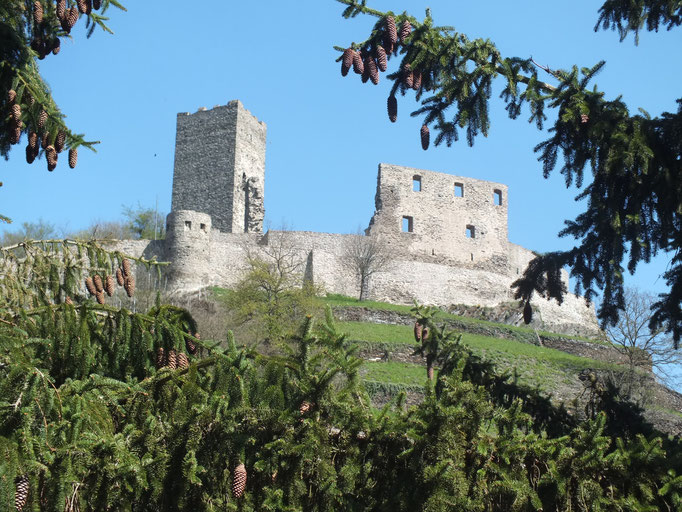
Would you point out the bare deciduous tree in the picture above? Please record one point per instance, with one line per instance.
(643, 347)
(365, 255)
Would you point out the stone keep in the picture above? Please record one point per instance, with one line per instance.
(220, 167)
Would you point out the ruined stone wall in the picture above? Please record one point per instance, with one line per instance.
(220, 166)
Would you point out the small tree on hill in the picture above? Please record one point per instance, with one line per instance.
(365, 255)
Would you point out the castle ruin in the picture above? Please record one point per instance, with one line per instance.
(447, 235)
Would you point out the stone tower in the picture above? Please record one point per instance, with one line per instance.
(220, 167)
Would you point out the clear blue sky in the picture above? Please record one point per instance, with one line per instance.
(326, 134)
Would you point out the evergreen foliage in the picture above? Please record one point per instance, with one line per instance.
(632, 203)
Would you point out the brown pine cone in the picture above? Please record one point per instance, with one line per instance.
(61, 9)
(171, 361)
(59, 142)
(527, 313)
(425, 333)
(347, 61)
(418, 329)
(182, 360)
(190, 346)
(405, 30)
(90, 285)
(33, 140)
(11, 96)
(96, 4)
(15, 134)
(68, 301)
(42, 119)
(73, 157)
(304, 408)
(391, 32)
(584, 118)
(16, 113)
(99, 285)
(125, 265)
(358, 65)
(45, 140)
(109, 285)
(425, 137)
(21, 493)
(100, 297)
(160, 358)
(51, 156)
(392, 107)
(382, 60)
(56, 46)
(72, 17)
(129, 285)
(239, 481)
(64, 22)
(82, 6)
(417, 80)
(408, 76)
(119, 277)
(372, 70)
(30, 155)
(37, 12)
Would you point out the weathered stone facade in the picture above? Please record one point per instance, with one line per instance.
(447, 235)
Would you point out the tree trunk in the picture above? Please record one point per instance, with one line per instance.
(429, 366)
(364, 288)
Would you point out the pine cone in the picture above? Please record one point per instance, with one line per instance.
(11, 96)
(30, 155)
(417, 80)
(56, 46)
(61, 9)
(109, 285)
(190, 346)
(305, 407)
(584, 118)
(239, 481)
(372, 70)
(51, 165)
(129, 285)
(72, 17)
(160, 358)
(16, 113)
(405, 30)
(82, 6)
(119, 277)
(90, 285)
(37, 12)
(172, 362)
(408, 76)
(99, 285)
(182, 360)
(100, 297)
(96, 4)
(392, 106)
(33, 140)
(347, 61)
(42, 119)
(391, 32)
(68, 301)
(358, 65)
(425, 333)
(51, 156)
(382, 59)
(125, 265)
(425, 137)
(21, 495)
(418, 329)
(59, 142)
(527, 313)
(73, 157)
(15, 134)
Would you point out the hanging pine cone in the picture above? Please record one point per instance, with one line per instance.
(30, 155)
(119, 277)
(100, 297)
(358, 65)
(160, 358)
(125, 265)
(21, 494)
(129, 285)
(304, 408)
(99, 285)
(418, 328)
(61, 9)
(584, 118)
(56, 46)
(109, 285)
(51, 157)
(73, 157)
(16, 113)
(417, 80)
(182, 360)
(72, 17)
(239, 481)
(68, 301)
(382, 59)
(425, 333)
(90, 285)
(391, 33)
(190, 346)
(392, 107)
(60, 141)
(11, 96)
(346, 61)
(37, 12)
(33, 140)
(42, 119)
(96, 4)
(425, 137)
(405, 30)
(171, 361)
(15, 134)
(527, 313)
(64, 22)
(408, 76)
(372, 70)
(82, 6)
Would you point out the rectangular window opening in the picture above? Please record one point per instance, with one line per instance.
(471, 231)
(188, 225)
(497, 197)
(459, 189)
(408, 226)
(202, 226)
(416, 183)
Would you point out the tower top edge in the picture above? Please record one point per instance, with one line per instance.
(230, 105)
